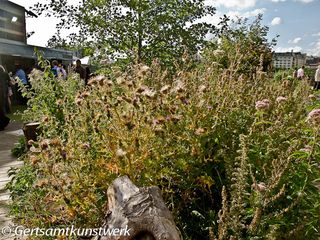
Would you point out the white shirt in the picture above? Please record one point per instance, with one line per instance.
(300, 73)
(317, 75)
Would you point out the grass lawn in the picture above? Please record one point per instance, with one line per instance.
(15, 114)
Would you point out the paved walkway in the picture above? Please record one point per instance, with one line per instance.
(7, 140)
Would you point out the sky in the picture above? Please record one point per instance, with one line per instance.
(296, 21)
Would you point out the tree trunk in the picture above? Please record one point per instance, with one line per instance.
(142, 210)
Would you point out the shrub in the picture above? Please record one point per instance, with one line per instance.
(232, 152)
(19, 148)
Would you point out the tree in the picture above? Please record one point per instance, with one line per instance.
(145, 29)
(248, 39)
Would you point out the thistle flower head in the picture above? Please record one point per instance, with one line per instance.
(85, 146)
(200, 131)
(218, 52)
(121, 153)
(148, 93)
(202, 88)
(312, 97)
(143, 70)
(165, 89)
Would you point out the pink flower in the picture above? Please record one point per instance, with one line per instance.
(260, 187)
(314, 116)
(281, 99)
(263, 104)
(307, 149)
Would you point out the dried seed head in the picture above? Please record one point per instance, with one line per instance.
(260, 187)
(202, 88)
(85, 146)
(218, 52)
(165, 89)
(59, 102)
(149, 93)
(44, 144)
(35, 150)
(143, 70)
(120, 80)
(34, 160)
(142, 88)
(108, 83)
(45, 119)
(121, 153)
(200, 131)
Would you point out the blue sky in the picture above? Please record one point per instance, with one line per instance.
(296, 21)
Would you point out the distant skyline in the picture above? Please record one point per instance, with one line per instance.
(296, 21)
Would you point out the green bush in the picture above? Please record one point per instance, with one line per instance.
(232, 152)
(19, 148)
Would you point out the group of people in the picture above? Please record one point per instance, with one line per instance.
(7, 82)
(299, 74)
(59, 70)
(7, 91)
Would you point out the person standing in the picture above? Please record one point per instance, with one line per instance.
(4, 80)
(79, 69)
(21, 75)
(63, 71)
(55, 68)
(300, 73)
(295, 73)
(317, 79)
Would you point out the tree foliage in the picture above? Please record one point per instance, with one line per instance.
(146, 29)
(247, 39)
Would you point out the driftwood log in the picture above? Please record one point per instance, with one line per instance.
(142, 210)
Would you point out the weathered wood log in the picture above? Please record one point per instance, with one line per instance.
(142, 210)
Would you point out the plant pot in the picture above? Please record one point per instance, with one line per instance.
(31, 132)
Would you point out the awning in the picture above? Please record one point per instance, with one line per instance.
(27, 51)
(84, 61)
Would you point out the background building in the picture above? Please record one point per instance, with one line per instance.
(313, 62)
(13, 41)
(287, 60)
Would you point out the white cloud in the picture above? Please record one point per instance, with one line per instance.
(304, 1)
(295, 40)
(278, 1)
(316, 34)
(240, 4)
(288, 49)
(253, 13)
(315, 51)
(276, 21)
(44, 27)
